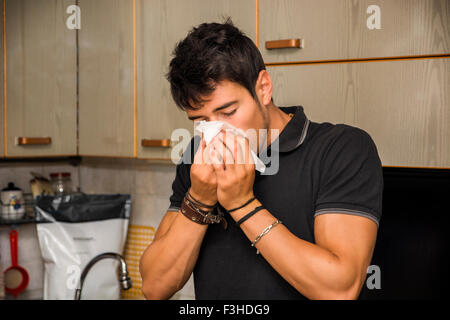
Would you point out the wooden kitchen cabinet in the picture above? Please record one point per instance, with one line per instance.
(1, 89)
(106, 78)
(347, 29)
(403, 105)
(41, 79)
(160, 25)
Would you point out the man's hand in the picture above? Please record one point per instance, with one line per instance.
(203, 177)
(234, 169)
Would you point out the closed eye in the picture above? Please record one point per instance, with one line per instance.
(227, 114)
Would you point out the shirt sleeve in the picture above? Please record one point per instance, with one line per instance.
(179, 187)
(182, 181)
(351, 179)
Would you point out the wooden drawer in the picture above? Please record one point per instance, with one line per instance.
(332, 29)
(404, 105)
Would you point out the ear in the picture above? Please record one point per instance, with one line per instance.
(264, 87)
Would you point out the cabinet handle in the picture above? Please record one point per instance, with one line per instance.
(164, 143)
(287, 43)
(24, 141)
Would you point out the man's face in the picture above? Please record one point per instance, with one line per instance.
(232, 103)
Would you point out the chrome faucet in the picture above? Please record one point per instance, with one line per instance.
(124, 279)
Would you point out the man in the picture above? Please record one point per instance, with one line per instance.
(314, 229)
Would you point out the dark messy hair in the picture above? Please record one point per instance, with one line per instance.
(212, 52)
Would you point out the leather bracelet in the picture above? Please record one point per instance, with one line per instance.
(198, 203)
(231, 210)
(195, 214)
(248, 215)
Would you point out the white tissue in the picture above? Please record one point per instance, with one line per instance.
(210, 129)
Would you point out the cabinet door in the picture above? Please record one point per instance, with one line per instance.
(348, 29)
(106, 117)
(160, 25)
(403, 105)
(41, 79)
(1, 89)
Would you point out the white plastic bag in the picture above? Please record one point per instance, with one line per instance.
(74, 229)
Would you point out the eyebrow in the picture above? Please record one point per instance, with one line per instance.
(226, 105)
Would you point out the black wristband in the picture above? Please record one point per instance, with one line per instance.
(249, 215)
(242, 205)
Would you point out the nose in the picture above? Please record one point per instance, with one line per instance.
(213, 118)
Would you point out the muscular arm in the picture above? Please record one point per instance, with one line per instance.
(167, 263)
(332, 268)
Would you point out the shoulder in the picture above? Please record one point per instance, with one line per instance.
(340, 140)
(331, 132)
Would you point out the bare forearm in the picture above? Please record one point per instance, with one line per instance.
(168, 262)
(314, 271)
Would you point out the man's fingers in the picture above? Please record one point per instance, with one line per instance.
(228, 139)
(217, 161)
(249, 161)
(223, 149)
(241, 152)
(198, 157)
(207, 155)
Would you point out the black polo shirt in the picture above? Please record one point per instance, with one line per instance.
(323, 168)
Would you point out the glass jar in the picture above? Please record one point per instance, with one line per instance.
(61, 183)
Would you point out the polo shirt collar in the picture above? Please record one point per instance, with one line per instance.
(294, 133)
